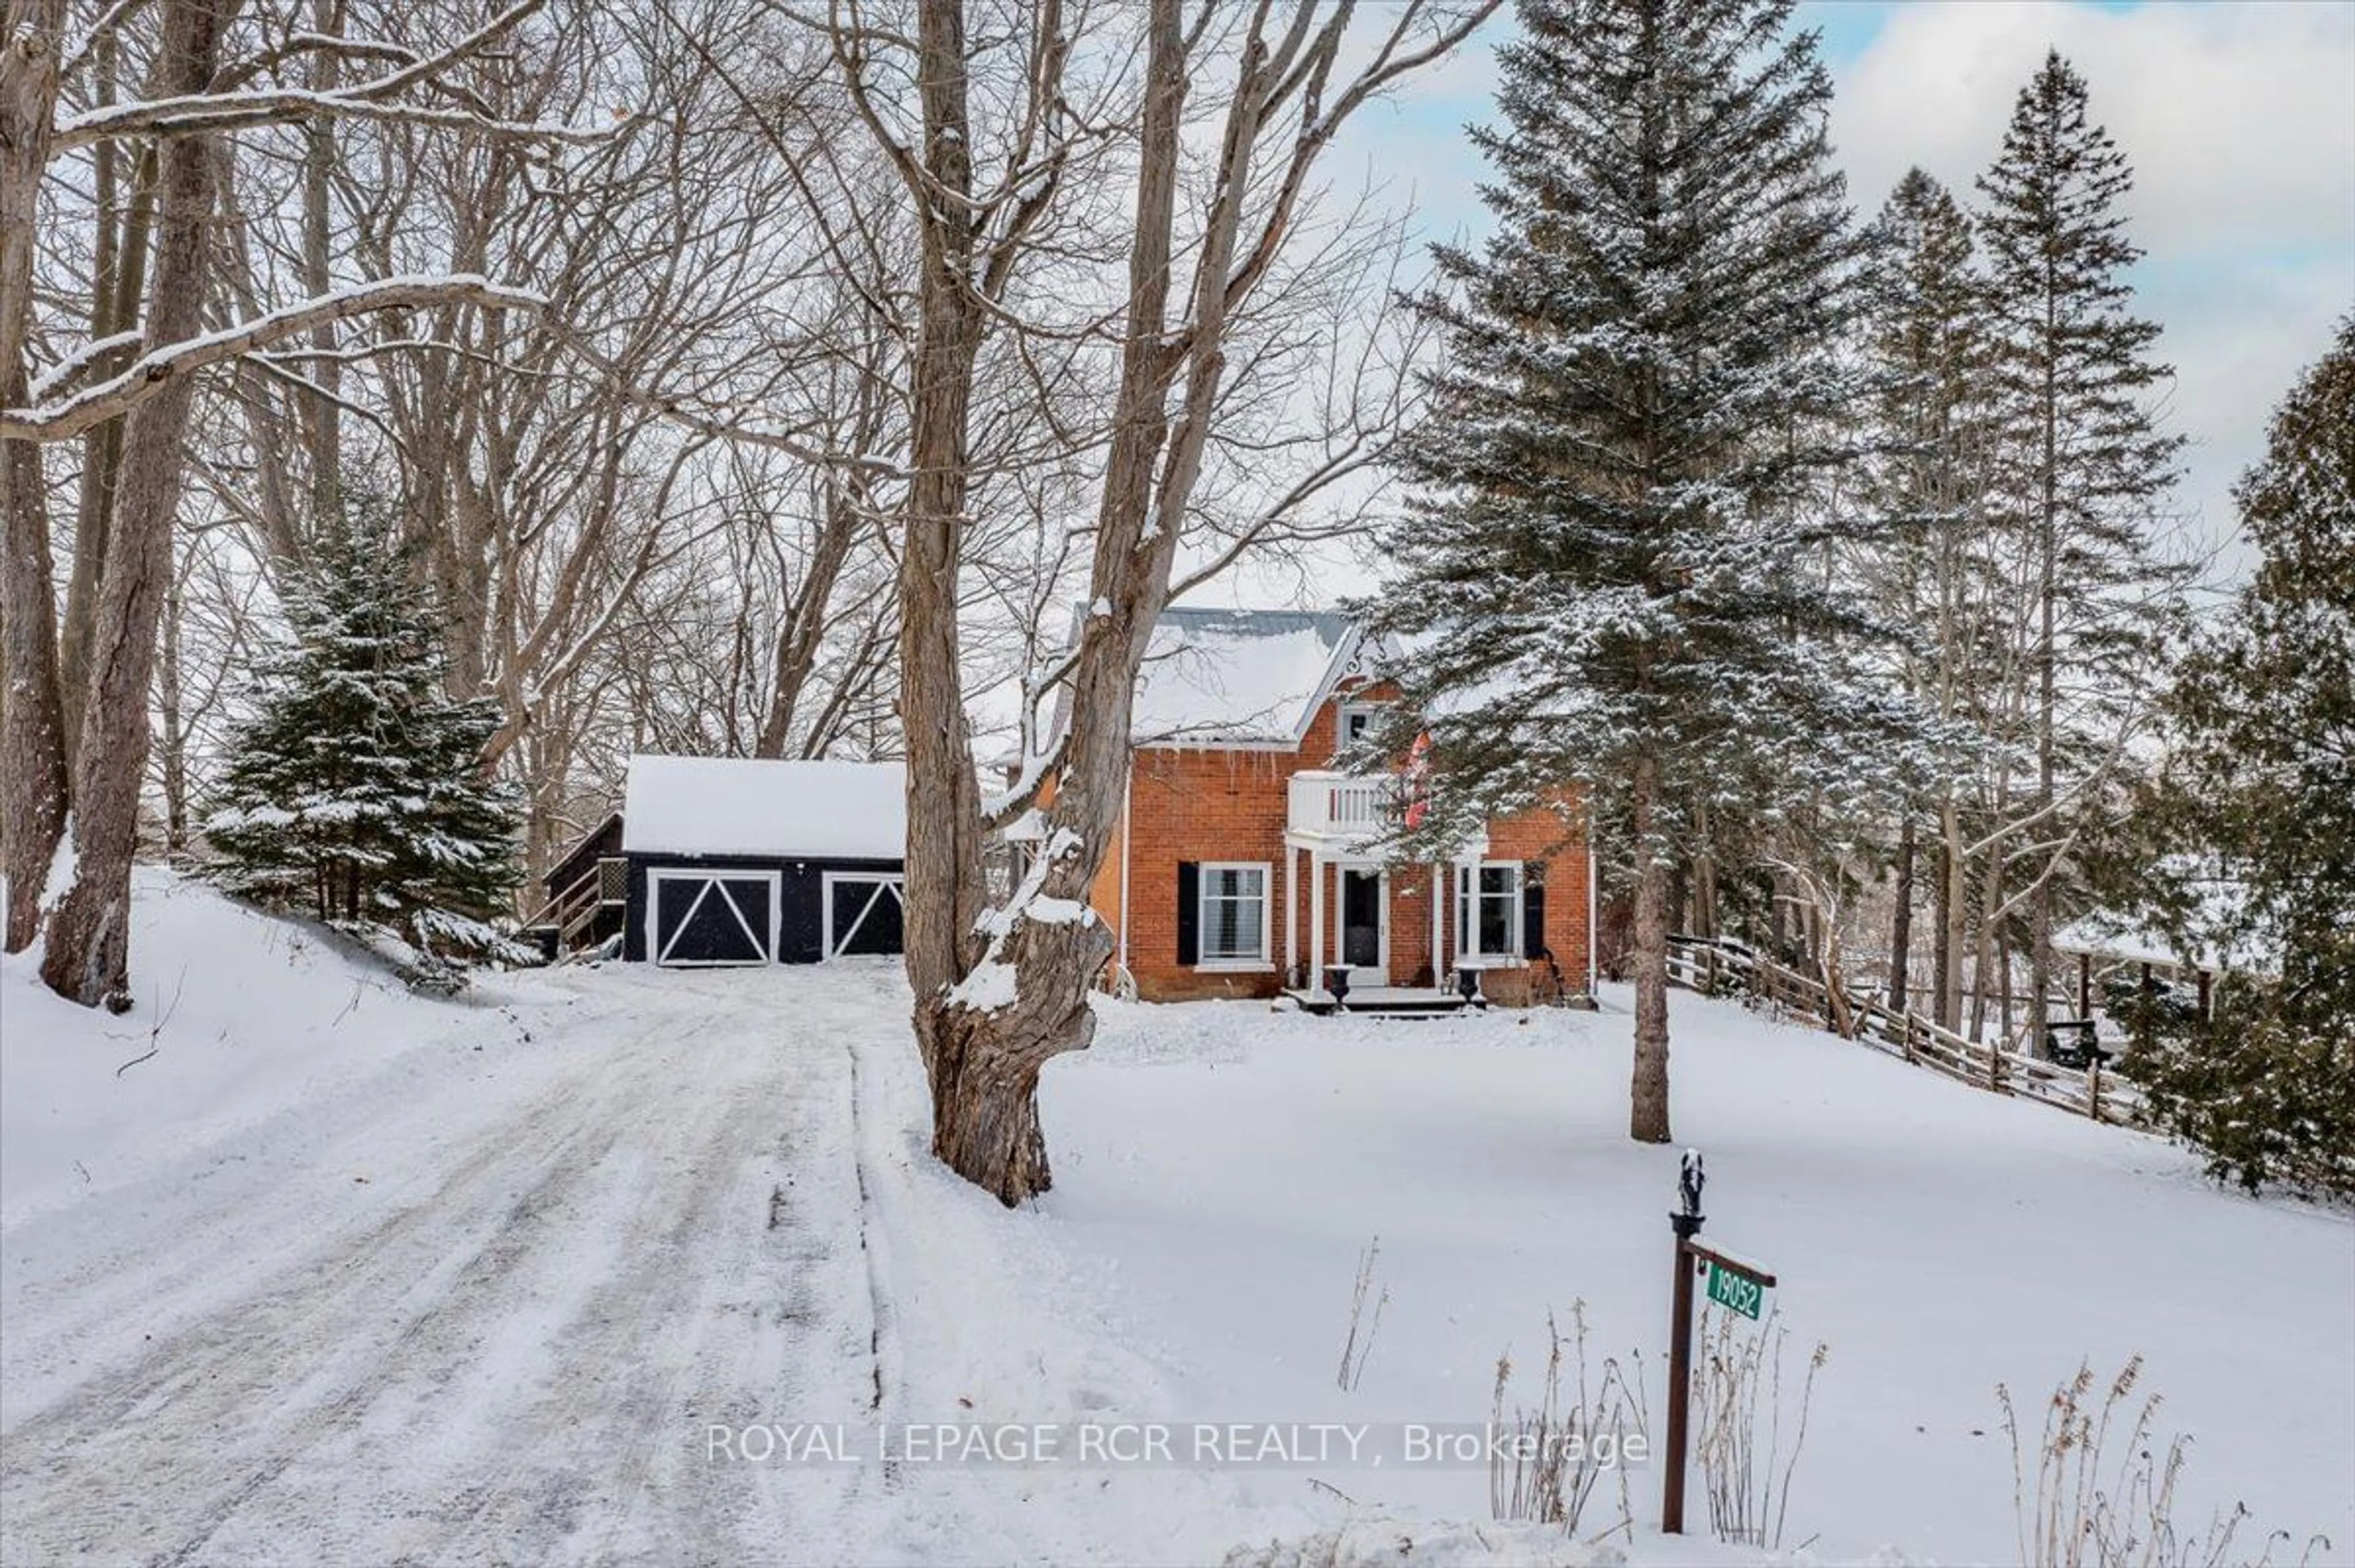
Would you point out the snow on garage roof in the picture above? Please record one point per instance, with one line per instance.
(731, 806)
(1238, 677)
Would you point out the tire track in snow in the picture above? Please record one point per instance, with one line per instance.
(519, 1367)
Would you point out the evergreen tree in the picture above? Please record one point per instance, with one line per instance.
(2264, 786)
(1927, 333)
(356, 790)
(2083, 470)
(1611, 576)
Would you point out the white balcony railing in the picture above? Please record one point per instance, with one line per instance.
(1341, 810)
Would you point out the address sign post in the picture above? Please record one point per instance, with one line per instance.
(1733, 1285)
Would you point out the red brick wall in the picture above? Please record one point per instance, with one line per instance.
(1201, 805)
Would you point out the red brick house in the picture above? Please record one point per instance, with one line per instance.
(1247, 862)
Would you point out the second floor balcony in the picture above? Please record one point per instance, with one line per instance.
(1338, 812)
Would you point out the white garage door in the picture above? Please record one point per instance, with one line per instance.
(706, 919)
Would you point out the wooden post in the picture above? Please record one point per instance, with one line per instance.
(2093, 1083)
(1685, 1219)
(2084, 985)
(1681, 1312)
(2207, 996)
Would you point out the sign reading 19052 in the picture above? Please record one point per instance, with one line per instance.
(1735, 1286)
(1737, 1292)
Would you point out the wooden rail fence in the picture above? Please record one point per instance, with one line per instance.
(1714, 969)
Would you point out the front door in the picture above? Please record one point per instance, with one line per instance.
(1364, 927)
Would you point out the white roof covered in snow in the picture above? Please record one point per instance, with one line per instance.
(2123, 937)
(1232, 678)
(731, 806)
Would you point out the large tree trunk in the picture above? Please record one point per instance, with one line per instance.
(172, 708)
(34, 785)
(323, 412)
(33, 780)
(1984, 952)
(1647, 1119)
(119, 279)
(984, 1122)
(2003, 990)
(1946, 1002)
(88, 957)
(2040, 935)
(1956, 934)
(1901, 926)
(984, 1062)
(1704, 875)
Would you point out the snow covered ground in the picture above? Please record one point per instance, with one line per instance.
(1229, 1165)
(343, 1276)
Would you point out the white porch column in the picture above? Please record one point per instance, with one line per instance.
(1291, 913)
(1315, 921)
(1438, 926)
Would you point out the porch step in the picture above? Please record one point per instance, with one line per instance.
(1396, 1002)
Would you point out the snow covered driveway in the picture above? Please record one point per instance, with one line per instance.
(476, 1306)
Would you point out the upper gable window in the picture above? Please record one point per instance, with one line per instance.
(1353, 722)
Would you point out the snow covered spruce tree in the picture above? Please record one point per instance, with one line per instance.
(1614, 577)
(2081, 477)
(356, 790)
(1927, 334)
(2264, 786)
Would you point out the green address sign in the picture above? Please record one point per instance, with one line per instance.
(1738, 1292)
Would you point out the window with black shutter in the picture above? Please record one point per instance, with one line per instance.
(1533, 931)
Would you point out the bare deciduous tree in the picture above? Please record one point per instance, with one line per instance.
(78, 721)
(1007, 184)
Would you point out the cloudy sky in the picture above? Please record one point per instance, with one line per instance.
(2237, 115)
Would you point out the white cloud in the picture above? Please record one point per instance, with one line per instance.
(2239, 119)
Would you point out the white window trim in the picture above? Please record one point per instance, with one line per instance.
(1343, 709)
(1467, 927)
(829, 882)
(1232, 962)
(658, 955)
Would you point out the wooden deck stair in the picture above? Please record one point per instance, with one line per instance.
(1393, 1001)
(573, 914)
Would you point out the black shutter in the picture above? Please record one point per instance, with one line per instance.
(1189, 912)
(1533, 937)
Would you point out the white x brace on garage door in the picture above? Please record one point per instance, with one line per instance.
(851, 900)
(710, 919)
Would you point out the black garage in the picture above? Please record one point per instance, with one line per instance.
(740, 862)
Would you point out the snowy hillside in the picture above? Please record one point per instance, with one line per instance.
(354, 1275)
(236, 1019)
